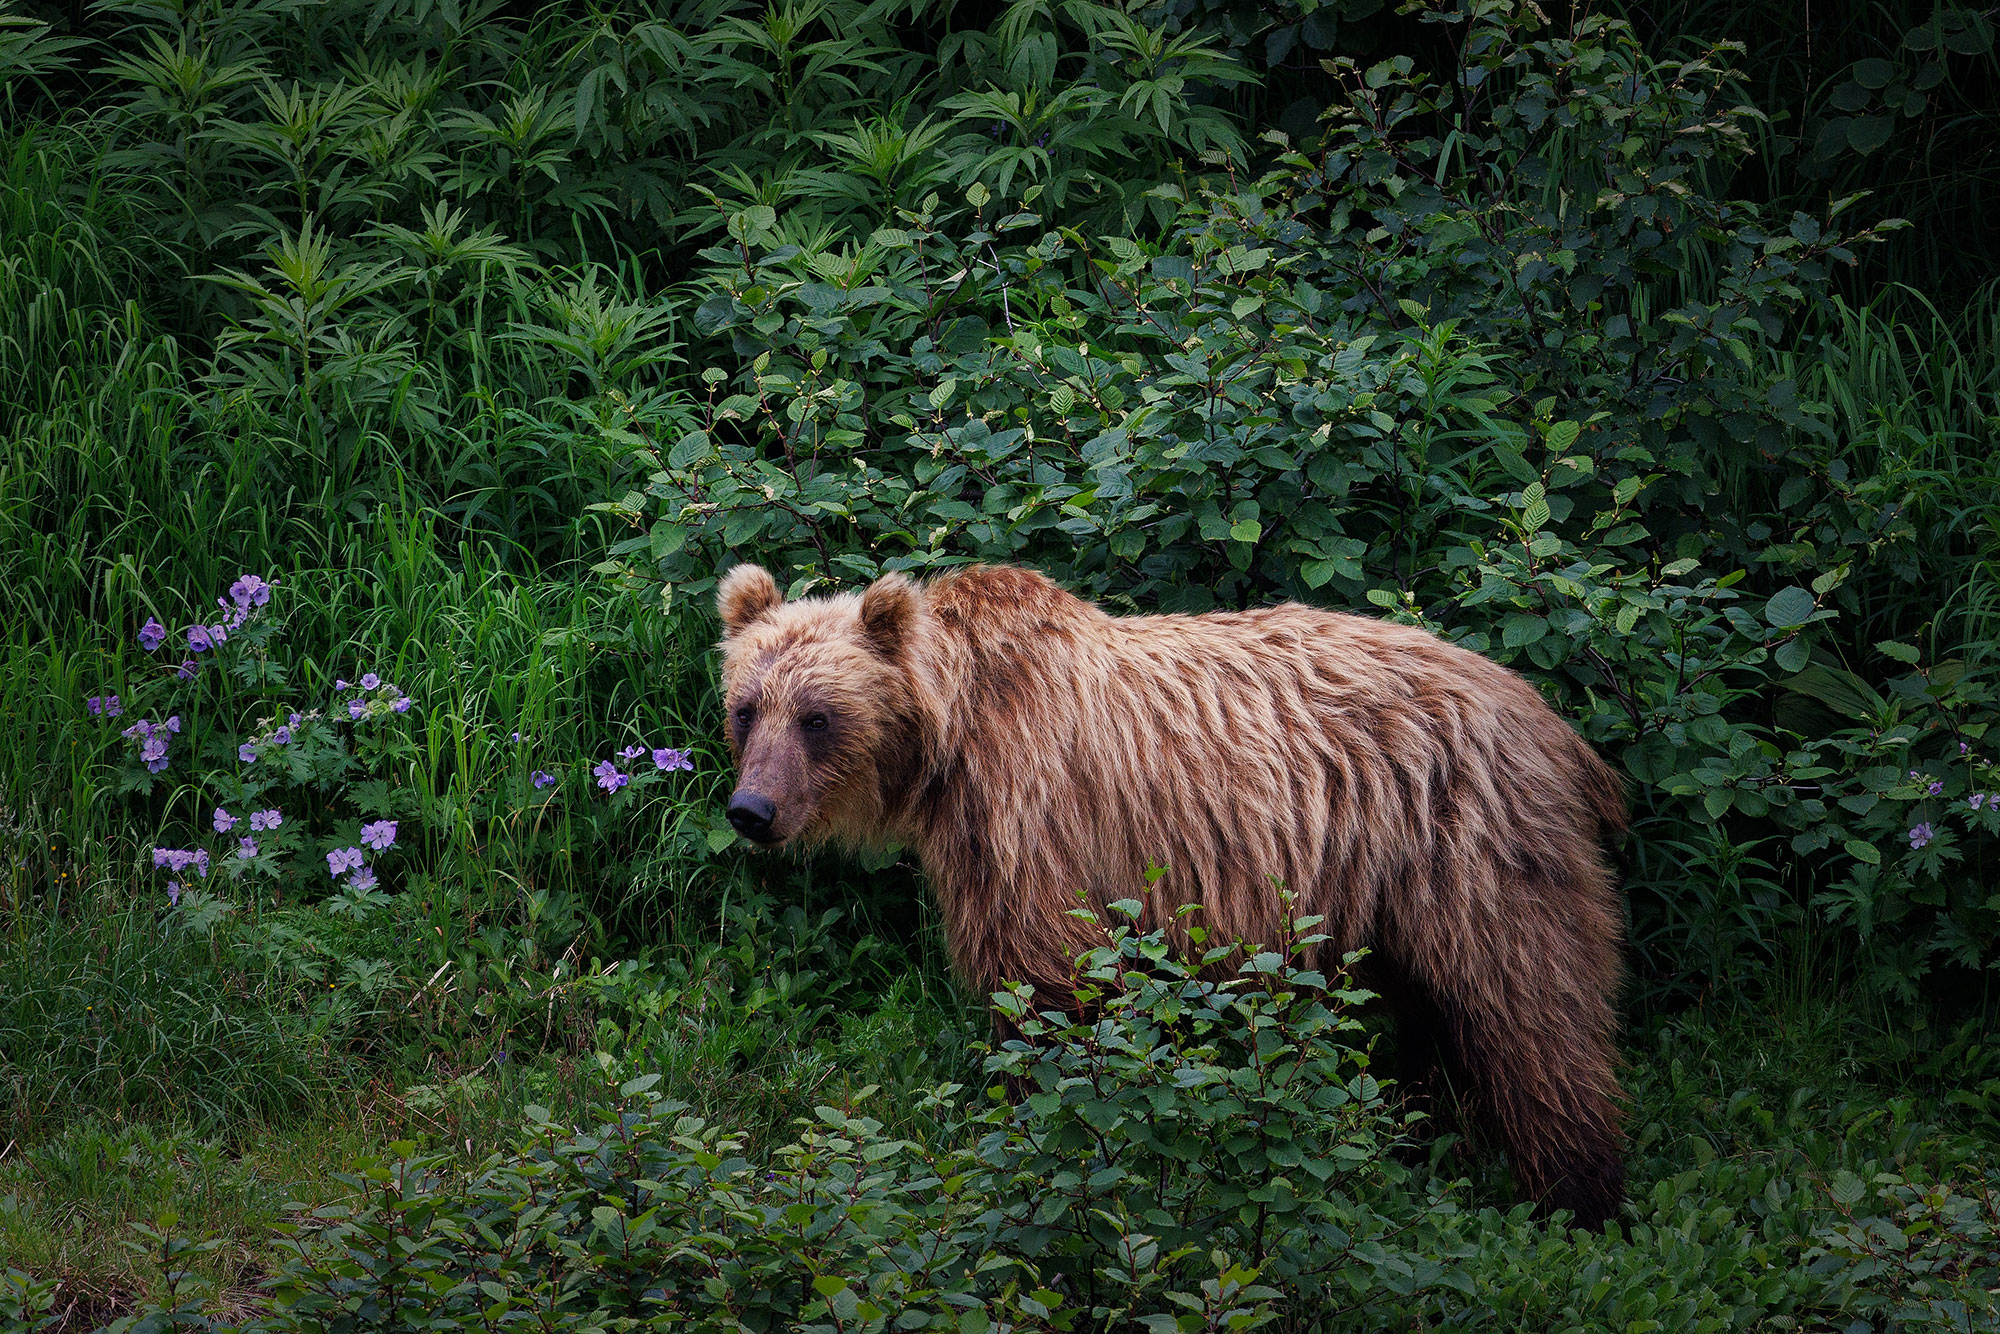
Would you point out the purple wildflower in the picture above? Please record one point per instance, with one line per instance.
(269, 819)
(218, 633)
(201, 861)
(370, 681)
(95, 705)
(1920, 835)
(516, 738)
(247, 753)
(198, 639)
(1964, 748)
(402, 705)
(112, 708)
(1936, 788)
(246, 848)
(362, 879)
(250, 591)
(380, 836)
(176, 859)
(186, 671)
(631, 752)
(174, 893)
(355, 708)
(292, 721)
(224, 821)
(283, 736)
(669, 759)
(174, 723)
(340, 685)
(541, 779)
(341, 860)
(152, 634)
(609, 777)
(1976, 800)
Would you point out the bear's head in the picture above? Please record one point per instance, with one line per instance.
(819, 706)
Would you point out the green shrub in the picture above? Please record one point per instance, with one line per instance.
(1091, 1203)
(1201, 1152)
(1374, 376)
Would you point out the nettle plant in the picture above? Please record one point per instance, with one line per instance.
(302, 797)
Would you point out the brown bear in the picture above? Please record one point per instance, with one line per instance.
(1028, 746)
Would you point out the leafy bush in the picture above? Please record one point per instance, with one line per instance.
(1089, 1203)
(1202, 1153)
(1505, 411)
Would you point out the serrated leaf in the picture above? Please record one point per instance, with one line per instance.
(1520, 630)
(1789, 608)
(1562, 435)
(1902, 653)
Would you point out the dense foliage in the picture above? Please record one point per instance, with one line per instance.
(382, 386)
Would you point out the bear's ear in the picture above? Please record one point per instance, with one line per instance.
(746, 593)
(888, 609)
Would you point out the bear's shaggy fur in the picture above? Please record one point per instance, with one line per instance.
(1027, 745)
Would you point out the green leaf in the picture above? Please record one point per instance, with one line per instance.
(1863, 852)
(1902, 653)
(1562, 435)
(1839, 690)
(1874, 72)
(1789, 608)
(1249, 530)
(692, 448)
(1520, 629)
(1518, 467)
(1865, 134)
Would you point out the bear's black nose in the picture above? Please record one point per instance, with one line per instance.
(751, 813)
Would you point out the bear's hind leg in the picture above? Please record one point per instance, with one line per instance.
(1549, 1091)
(1526, 1001)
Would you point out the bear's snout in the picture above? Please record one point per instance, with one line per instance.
(751, 814)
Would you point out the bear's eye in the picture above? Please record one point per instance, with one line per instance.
(743, 716)
(816, 722)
